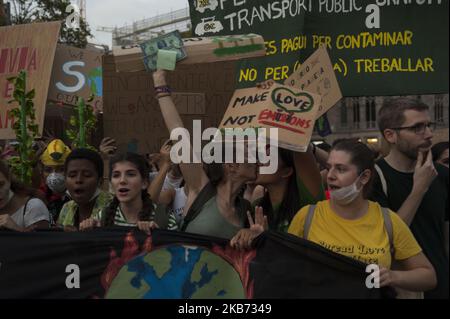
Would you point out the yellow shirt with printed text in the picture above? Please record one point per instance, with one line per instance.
(364, 239)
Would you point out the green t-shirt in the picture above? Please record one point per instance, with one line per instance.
(428, 223)
(306, 198)
(210, 222)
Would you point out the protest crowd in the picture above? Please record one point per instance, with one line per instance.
(385, 208)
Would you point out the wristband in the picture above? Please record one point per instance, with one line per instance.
(162, 89)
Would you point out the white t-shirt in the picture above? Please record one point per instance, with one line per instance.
(178, 205)
(35, 211)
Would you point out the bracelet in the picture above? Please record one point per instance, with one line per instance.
(162, 89)
(161, 95)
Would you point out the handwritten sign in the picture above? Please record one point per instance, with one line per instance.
(29, 47)
(290, 110)
(132, 115)
(316, 75)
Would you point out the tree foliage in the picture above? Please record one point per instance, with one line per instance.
(24, 127)
(28, 11)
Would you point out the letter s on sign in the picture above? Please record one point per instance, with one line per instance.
(80, 76)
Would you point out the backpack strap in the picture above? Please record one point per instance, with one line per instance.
(208, 192)
(382, 179)
(389, 229)
(25, 210)
(25, 207)
(308, 221)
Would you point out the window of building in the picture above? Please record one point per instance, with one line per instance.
(371, 112)
(356, 112)
(439, 109)
(344, 114)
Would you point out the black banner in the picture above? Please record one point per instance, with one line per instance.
(125, 263)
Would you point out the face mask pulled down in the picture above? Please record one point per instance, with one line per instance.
(346, 195)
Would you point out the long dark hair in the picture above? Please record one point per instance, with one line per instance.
(16, 186)
(290, 204)
(361, 156)
(147, 208)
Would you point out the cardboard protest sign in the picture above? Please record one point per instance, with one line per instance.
(290, 110)
(316, 75)
(132, 116)
(29, 47)
(76, 72)
(376, 47)
(198, 50)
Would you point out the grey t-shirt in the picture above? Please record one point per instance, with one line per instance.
(211, 222)
(35, 211)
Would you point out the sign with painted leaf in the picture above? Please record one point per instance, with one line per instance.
(29, 47)
(290, 110)
(76, 73)
(316, 75)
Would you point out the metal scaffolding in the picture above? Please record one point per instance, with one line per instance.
(148, 28)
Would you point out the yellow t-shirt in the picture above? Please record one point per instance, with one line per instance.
(364, 239)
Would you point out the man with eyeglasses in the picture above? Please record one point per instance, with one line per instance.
(412, 185)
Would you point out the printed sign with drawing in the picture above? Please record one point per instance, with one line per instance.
(29, 47)
(76, 72)
(316, 75)
(290, 110)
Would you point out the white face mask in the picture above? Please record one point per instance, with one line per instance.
(56, 182)
(174, 182)
(346, 195)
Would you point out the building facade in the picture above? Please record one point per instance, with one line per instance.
(356, 117)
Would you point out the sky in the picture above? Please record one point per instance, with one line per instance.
(111, 13)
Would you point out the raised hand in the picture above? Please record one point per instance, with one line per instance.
(244, 238)
(108, 146)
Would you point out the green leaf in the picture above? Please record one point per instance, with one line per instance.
(31, 94)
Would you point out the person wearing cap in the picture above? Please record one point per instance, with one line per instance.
(52, 177)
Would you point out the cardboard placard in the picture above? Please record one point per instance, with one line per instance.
(198, 50)
(316, 75)
(29, 47)
(76, 72)
(132, 115)
(290, 110)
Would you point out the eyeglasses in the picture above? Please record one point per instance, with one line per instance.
(417, 128)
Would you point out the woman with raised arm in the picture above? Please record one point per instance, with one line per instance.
(214, 206)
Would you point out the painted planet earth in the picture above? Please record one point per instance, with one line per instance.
(95, 81)
(177, 272)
